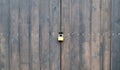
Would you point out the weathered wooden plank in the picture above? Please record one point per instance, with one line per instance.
(73, 25)
(54, 30)
(44, 34)
(66, 28)
(4, 32)
(105, 34)
(84, 31)
(76, 24)
(95, 35)
(35, 35)
(14, 40)
(24, 34)
(115, 34)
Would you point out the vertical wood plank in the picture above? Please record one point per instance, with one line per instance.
(76, 26)
(4, 35)
(84, 34)
(54, 30)
(74, 23)
(44, 34)
(115, 34)
(105, 34)
(14, 40)
(24, 34)
(66, 28)
(95, 35)
(35, 34)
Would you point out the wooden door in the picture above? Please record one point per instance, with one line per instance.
(86, 25)
(115, 35)
(29, 30)
(28, 34)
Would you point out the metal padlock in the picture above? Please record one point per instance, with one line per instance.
(60, 37)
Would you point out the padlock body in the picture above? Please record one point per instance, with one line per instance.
(60, 39)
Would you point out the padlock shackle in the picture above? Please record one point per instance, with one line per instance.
(60, 32)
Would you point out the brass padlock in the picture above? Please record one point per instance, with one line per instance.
(60, 37)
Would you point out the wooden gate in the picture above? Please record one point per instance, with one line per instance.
(29, 30)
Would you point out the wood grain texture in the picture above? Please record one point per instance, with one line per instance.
(14, 40)
(115, 34)
(86, 24)
(54, 30)
(45, 34)
(95, 35)
(29, 30)
(66, 28)
(24, 34)
(74, 23)
(4, 35)
(85, 34)
(34, 30)
(105, 34)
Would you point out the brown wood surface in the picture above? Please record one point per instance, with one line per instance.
(95, 35)
(86, 25)
(105, 35)
(29, 30)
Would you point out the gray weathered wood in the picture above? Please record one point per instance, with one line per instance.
(95, 35)
(14, 40)
(4, 35)
(54, 30)
(115, 35)
(66, 28)
(74, 25)
(34, 26)
(81, 24)
(85, 34)
(105, 34)
(29, 30)
(44, 34)
(24, 34)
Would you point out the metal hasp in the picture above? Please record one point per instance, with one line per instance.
(60, 37)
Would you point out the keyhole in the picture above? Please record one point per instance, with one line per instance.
(60, 35)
